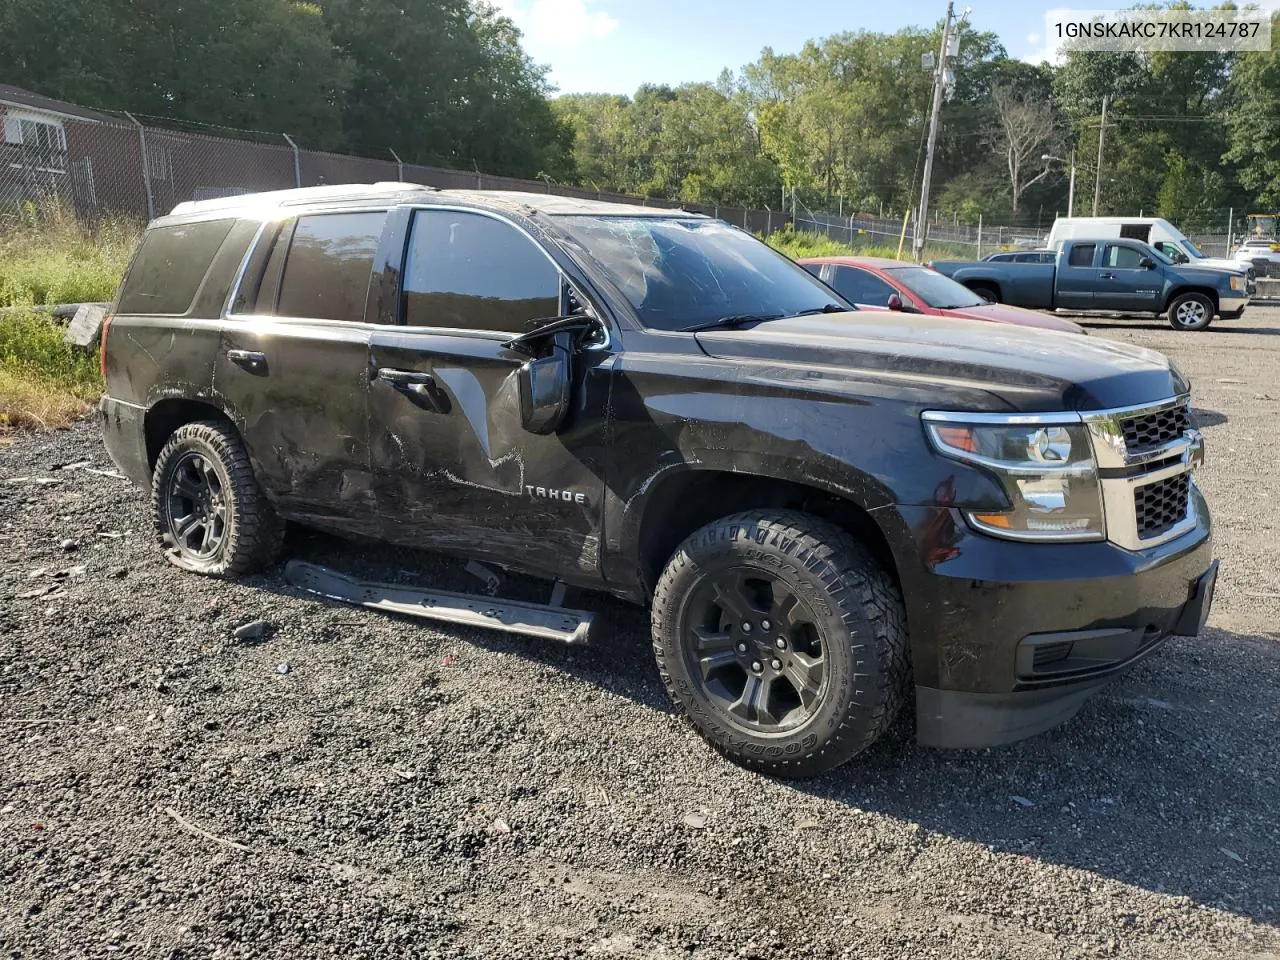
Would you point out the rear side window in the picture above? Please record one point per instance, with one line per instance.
(1081, 255)
(472, 272)
(326, 275)
(858, 286)
(169, 266)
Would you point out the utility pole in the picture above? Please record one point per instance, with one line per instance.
(1097, 181)
(1071, 187)
(939, 86)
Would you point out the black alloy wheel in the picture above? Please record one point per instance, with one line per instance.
(196, 506)
(757, 648)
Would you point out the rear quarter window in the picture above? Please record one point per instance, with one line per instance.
(169, 266)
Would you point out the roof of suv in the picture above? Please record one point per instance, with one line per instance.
(546, 203)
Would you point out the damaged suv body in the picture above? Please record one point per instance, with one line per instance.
(823, 507)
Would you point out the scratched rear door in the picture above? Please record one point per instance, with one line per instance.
(453, 467)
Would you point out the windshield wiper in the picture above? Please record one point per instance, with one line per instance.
(733, 322)
(825, 308)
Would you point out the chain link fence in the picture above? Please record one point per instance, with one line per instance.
(119, 167)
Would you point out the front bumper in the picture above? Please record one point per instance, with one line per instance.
(1009, 639)
(1231, 307)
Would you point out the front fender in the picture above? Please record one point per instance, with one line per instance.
(866, 447)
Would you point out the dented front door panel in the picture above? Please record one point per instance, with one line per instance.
(456, 471)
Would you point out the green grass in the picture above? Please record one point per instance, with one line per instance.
(47, 256)
(44, 382)
(798, 244)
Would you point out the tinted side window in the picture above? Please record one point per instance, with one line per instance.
(326, 275)
(169, 265)
(473, 272)
(1125, 258)
(1081, 255)
(814, 268)
(859, 286)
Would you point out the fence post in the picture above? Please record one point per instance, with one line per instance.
(979, 236)
(1231, 213)
(851, 216)
(297, 160)
(399, 165)
(768, 220)
(146, 166)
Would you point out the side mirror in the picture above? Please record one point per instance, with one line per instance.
(1146, 263)
(894, 302)
(545, 385)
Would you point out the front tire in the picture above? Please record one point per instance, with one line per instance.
(210, 513)
(1190, 311)
(781, 640)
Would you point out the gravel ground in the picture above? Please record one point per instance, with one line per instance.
(373, 787)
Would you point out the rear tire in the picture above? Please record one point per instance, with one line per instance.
(1190, 311)
(782, 641)
(210, 513)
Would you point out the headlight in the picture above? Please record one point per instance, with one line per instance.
(1237, 282)
(1046, 470)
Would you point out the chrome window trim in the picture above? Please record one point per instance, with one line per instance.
(1106, 435)
(234, 292)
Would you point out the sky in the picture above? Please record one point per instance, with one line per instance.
(613, 46)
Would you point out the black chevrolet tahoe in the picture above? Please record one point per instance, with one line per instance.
(826, 509)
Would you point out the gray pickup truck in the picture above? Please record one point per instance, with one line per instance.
(1115, 276)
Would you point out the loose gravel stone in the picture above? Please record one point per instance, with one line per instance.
(368, 789)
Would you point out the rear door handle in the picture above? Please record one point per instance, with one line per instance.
(1106, 276)
(406, 378)
(247, 358)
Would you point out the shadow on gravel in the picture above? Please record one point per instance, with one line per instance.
(1208, 418)
(1218, 326)
(1161, 781)
(1165, 780)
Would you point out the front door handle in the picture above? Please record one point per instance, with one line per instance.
(406, 378)
(1106, 276)
(418, 387)
(247, 358)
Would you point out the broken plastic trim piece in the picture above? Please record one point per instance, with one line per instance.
(509, 616)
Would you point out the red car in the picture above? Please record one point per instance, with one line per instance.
(911, 288)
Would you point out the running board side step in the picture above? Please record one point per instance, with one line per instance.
(510, 616)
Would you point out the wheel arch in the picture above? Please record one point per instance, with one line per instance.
(681, 501)
(1177, 292)
(165, 416)
(977, 284)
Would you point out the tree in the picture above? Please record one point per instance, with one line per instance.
(1253, 122)
(1025, 131)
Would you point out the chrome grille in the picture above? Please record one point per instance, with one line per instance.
(1155, 429)
(1162, 505)
(1146, 457)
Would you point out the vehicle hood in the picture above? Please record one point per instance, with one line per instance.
(1003, 313)
(1209, 276)
(1219, 263)
(940, 360)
